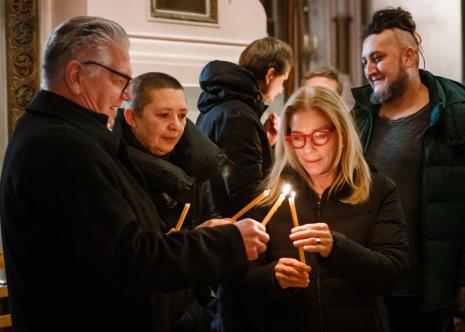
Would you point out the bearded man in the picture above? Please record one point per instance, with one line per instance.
(412, 126)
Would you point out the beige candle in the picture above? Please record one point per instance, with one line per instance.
(252, 203)
(295, 221)
(183, 216)
(277, 204)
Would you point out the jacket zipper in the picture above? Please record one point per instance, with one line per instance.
(318, 281)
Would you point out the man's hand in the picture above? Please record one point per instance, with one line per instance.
(254, 236)
(290, 272)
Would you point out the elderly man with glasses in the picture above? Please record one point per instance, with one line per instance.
(83, 245)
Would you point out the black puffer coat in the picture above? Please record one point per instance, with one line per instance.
(231, 107)
(368, 259)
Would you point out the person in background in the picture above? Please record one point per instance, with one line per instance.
(83, 244)
(271, 125)
(412, 127)
(351, 229)
(326, 76)
(230, 105)
(175, 160)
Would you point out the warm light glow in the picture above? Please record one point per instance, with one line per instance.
(277, 204)
(286, 189)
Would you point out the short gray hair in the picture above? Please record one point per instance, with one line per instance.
(76, 36)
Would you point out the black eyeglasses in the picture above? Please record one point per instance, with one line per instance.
(113, 71)
(318, 137)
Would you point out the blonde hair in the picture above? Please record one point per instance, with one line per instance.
(351, 167)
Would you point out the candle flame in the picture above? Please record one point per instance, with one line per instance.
(286, 189)
(293, 194)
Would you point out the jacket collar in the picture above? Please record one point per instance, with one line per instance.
(50, 104)
(122, 129)
(441, 113)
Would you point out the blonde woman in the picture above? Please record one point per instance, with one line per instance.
(352, 228)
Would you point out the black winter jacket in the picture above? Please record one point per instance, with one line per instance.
(231, 107)
(173, 180)
(369, 258)
(82, 241)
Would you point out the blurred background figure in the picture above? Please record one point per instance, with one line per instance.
(231, 104)
(326, 76)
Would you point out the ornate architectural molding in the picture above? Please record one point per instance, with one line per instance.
(23, 55)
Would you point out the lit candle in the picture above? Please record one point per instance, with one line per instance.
(254, 202)
(295, 221)
(277, 204)
(183, 216)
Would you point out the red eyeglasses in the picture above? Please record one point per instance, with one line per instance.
(318, 137)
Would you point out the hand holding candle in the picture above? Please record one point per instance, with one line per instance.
(295, 221)
(277, 204)
(289, 272)
(254, 202)
(183, 216)
(313, 237)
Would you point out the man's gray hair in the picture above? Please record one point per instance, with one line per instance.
(80, 35)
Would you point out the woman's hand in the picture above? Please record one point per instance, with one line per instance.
(313, 238)
(290, 272)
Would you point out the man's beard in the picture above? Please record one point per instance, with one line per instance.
(393, 92)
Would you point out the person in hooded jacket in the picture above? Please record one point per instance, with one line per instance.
(231, 104)
(175, 160)
(352, 230)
